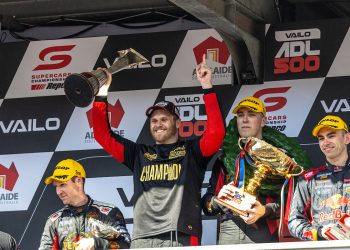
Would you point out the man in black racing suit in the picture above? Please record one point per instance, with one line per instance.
(322, 194)
(83, 223)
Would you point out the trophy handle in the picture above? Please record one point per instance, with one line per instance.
(80, 89)
(300, 168)
(128, 58)
(239, 142)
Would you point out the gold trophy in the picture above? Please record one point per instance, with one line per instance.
(80, 89)
(268, 161)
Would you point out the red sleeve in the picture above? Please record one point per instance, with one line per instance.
(215, 130)
(103, 133)
(56, 244)
(220, 182)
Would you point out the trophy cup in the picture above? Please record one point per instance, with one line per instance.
(101, 230)
(81, 89)
(268, 161)
(340, 230)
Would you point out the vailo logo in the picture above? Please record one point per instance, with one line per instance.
(115, 115)
(8, 177)
(296, 53)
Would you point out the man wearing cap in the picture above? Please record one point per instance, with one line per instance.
(82, 223)
(325, 191)
(234, 165)
(167, 175)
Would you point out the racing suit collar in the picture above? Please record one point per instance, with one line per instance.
(81, 209)
(335, 168)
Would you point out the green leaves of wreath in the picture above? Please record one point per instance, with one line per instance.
(271, 185)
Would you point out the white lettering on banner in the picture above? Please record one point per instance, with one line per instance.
(188, 113)
(183, 100)
(192, 122)
(21, 126)
(295, 54)
(293, 35)
(187, 99)
(157, 61)
(341, 105)
(298, 48)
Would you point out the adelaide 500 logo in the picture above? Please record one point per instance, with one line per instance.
(297, 53)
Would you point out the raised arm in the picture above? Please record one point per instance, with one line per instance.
(215, 130)
(110, 141)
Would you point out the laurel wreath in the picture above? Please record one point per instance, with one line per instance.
(270, 186)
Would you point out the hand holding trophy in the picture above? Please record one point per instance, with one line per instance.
(268, 161)
(338, 231)
(81, 89)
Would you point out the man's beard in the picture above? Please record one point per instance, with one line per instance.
(171, 132)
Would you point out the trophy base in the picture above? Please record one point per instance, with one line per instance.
(79, 90)
(340, 230)
(237, 201)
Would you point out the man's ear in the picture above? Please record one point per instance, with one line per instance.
(347, 138)
(263, 121)
(79, 179)
(178, 123)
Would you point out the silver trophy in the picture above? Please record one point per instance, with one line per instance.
(82, 88)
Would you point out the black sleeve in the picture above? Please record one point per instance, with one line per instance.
(210, 207)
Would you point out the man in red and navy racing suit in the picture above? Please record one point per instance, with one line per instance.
(82, 223)
(260, 226)
(167, 175)
(323, 192)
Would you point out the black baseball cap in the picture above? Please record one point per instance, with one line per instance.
(165, 105)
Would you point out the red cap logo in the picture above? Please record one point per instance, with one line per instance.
(214, 49)
(8, 177)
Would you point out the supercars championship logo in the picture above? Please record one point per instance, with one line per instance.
(55, 58)
(8, 179)
(215, 51)
(115, 115)
(297, 53)
(277, 122)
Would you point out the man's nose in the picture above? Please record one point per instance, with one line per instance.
(326, 141)
(159, 123)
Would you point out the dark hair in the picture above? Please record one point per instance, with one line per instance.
(75, 177)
